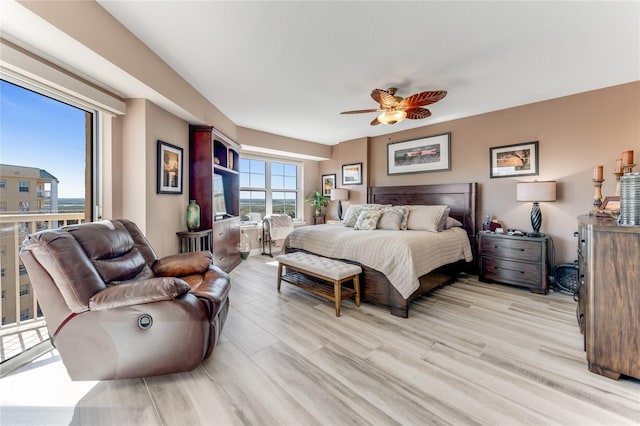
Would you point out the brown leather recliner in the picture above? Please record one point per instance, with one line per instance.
(114, 310)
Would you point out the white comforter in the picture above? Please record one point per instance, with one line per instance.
(402, 256)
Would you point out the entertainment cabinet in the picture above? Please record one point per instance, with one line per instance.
(214, 182)
(609, 295)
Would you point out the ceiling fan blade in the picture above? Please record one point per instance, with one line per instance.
(423, 98)
(360, 111)
(375, 122)
(418, 113)
(384, 98)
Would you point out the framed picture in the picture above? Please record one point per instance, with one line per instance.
(611, 203)
(514, 160)
(430, 154)
(170, 168)
(328, 183)
(352, 174)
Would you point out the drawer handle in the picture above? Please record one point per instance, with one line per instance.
(509, 269)
(509, 248)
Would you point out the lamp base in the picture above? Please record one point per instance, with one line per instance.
(535, 234)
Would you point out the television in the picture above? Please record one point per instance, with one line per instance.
(219, 201)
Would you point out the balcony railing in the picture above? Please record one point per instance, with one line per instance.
(22, 323)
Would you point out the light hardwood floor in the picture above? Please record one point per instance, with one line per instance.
(470, 353)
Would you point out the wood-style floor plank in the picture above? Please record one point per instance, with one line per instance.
(470, 353)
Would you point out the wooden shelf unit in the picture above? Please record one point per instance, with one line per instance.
(212, 154)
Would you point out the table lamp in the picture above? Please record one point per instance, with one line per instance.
(536, 192)
(339, 194)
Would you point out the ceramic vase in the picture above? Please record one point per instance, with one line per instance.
(193, 216)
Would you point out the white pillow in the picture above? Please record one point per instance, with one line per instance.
(427, 218)
(452, 223)
(368, 219)
(394, 218)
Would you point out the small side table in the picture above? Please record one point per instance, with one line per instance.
(318, 220)
(195, 240)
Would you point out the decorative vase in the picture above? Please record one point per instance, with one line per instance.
(318, 211)
(193, 216)
(245, 245)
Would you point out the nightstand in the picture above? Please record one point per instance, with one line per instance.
(521, 261)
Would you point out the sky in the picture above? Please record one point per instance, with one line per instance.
(36, 131)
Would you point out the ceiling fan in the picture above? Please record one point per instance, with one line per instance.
(394, 109)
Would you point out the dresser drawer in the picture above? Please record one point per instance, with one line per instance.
(511, 249)
(512, 272)
(220, 231)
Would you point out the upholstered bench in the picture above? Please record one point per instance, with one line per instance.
(328, 270)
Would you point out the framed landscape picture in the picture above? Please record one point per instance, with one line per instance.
(430, 154)
(514, 160)
(352, 174)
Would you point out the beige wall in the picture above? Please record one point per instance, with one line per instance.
(574, 134)
(349, 152)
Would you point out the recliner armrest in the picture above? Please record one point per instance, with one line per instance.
(138, 292)
(179, 265)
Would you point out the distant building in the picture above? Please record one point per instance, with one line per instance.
(23, 190)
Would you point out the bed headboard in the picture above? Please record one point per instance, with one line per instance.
(462, 199)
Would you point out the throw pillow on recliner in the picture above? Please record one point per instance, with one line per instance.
(182, 264)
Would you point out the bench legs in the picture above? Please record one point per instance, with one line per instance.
(337, 286)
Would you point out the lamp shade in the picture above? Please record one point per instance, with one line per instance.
(536, 191)
(339, 194)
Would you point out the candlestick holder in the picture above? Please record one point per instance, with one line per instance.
(627, 168)
(597, 193)
(617, 175)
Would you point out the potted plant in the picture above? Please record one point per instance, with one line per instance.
(318, 201)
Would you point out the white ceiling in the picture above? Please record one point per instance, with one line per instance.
(289, 68)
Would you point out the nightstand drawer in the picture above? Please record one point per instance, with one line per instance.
(512, 249)
(511, 272)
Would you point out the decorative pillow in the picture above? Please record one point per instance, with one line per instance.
(427, 218)
(394, 218)
(351, 216)
(452, 223)
(354, 210)
(368, 219)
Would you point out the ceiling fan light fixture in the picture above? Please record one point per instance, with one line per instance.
(392, 117)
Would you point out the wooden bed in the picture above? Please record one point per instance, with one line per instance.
(461, 199)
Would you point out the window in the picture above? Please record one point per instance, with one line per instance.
(2, 272)
(23, 186)
(24, 289)
(3, 206)
(23, 206)
(24, 314)
(268, 187)
(22, 270)
(3, 183)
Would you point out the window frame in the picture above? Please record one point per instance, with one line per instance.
(299, 216)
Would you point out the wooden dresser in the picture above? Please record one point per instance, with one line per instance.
(609, 295)
(521, 261)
